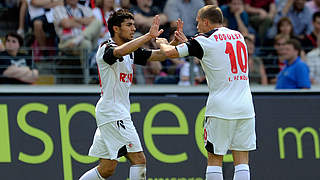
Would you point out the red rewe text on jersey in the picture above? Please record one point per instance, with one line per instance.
(124, 77)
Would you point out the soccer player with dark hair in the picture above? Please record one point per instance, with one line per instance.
(116, 135)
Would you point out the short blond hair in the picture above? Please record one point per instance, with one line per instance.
(213, 13)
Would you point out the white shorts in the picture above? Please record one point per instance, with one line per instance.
(113, 140)
(224, 135)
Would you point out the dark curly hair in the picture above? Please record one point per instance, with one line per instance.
(117, 18)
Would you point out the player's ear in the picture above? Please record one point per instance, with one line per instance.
(116, 29)
(206, 21)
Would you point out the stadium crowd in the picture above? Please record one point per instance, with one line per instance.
(282, 37)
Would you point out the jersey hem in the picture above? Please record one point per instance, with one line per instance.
(109, 121)
(230, 118)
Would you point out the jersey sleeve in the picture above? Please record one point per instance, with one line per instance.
(190, 48)
(141, 56)
(108, 55)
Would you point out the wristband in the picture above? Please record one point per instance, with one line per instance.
(183, 50)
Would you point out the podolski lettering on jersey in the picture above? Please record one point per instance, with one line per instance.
(126, 77)
(120, 123)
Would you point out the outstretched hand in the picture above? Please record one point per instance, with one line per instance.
(154, 29)
(180, 25)
(179, 36)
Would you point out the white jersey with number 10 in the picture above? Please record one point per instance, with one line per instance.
(224, 59)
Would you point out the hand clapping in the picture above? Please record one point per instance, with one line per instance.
(154, 29)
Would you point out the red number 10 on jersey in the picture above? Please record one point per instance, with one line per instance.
(240, 47)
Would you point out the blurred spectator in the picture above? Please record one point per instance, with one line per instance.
(160, 4)
(310, 40)
(313, 5)
(86, 3)
(15, 68)
(168, 73)
(184, 72)
(42, 19)
(1, 46)
(169, 69)
(313, 61)
(102, 12)
(300, 16)
(274, 60)
(144, 13)
(76, 26)
(185, 10)
(236, 16)
(280, 4)
(284, 27)
(125, 4)
(295, 74)
(261, 16)
(152, 72)
(220, 2)
(257, 72)
(185, 75)
(10, 3)
(211, 2)
(22, 17)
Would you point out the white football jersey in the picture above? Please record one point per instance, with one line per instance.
(224, 59)
(116, 76)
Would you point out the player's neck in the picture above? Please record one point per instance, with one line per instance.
(119, 41)
(213, 26)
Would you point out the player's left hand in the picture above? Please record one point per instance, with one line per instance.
(154, 29)
(180, 37)
(180, 25)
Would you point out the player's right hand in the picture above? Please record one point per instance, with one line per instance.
(154, 29)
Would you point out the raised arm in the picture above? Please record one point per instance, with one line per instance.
(169, 50)
(189, 48)
(133, 45)
(158, 55)
(241, 25)
(179, 37)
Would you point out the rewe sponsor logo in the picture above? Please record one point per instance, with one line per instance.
(124, 77)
